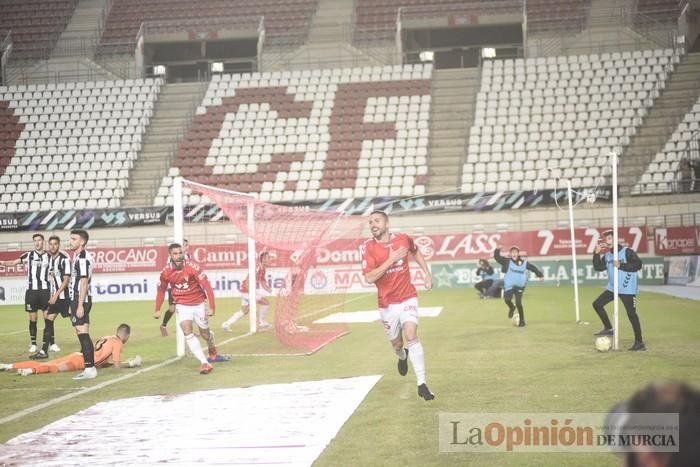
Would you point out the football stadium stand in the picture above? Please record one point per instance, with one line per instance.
(285, 20)
(89, 132)
(664, 174)
(540, 119)
(36, 25)
(310, 135)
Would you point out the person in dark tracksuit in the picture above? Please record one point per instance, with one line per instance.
(487, 274)
(515, 269)
(628, 263)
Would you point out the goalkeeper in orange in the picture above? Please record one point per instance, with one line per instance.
(108, 352)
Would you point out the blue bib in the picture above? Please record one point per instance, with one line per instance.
(488, 277)
(516, 276)
(626, 281)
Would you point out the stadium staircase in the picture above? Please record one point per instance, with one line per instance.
(453, 102)
(72, 57)
(328, 44)
(172, 116)
(681, 92)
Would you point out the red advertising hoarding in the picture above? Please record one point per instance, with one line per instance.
(446, 247)
(670, 241)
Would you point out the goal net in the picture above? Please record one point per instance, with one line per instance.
(301, 291)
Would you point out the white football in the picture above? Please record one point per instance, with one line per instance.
(603, 343)
(516, 319)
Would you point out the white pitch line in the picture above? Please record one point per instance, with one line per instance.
(71, 395)
(12, 332)
(360, 297)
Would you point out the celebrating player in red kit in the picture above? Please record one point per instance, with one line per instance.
(190, 288)
(385, 264)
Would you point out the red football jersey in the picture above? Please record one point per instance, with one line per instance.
(395, 285)
(189, 285)
(260, 273)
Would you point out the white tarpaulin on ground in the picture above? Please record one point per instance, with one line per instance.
(370, 316)
(287, 424)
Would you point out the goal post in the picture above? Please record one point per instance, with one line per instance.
(178, 236)
(303, 284)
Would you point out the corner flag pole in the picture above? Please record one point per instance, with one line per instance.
(573, 248)
(178, 235)
(616, 285)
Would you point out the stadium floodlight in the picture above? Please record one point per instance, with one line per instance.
(217, 67)
(488, 52)
(159, 70)
(426, 56)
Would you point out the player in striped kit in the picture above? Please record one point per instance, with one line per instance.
(81, 300)
(59, 277)
(36, 298)
(385, 264)
(190, 288)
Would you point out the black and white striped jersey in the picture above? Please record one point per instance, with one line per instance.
(59, 268)
(82, 267)
(37, 264)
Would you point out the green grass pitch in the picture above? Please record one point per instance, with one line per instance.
(476, 361)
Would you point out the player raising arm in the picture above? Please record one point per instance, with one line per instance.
(627, 263)
(190, 289)
(107, 353)
(385, 264)
(516, 270)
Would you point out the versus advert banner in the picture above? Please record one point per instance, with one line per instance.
(83, 219)
(133, 217)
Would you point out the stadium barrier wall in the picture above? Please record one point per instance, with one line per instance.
(683, 270)
(333, 279)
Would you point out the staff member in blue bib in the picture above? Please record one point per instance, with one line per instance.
(487, 274)
(516, 270)
(628, 263)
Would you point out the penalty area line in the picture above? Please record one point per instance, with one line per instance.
(71, 395)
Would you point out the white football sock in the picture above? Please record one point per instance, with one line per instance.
(235, 317)
(415, 354)
(263, 312)
(401, 353)
(195, 348)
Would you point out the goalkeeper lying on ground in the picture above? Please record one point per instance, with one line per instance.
(107, 353)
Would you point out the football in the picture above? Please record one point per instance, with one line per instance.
(603, 343)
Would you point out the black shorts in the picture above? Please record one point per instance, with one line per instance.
(86, 316)
(36, 300)
(61, 306)
(171, 301)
